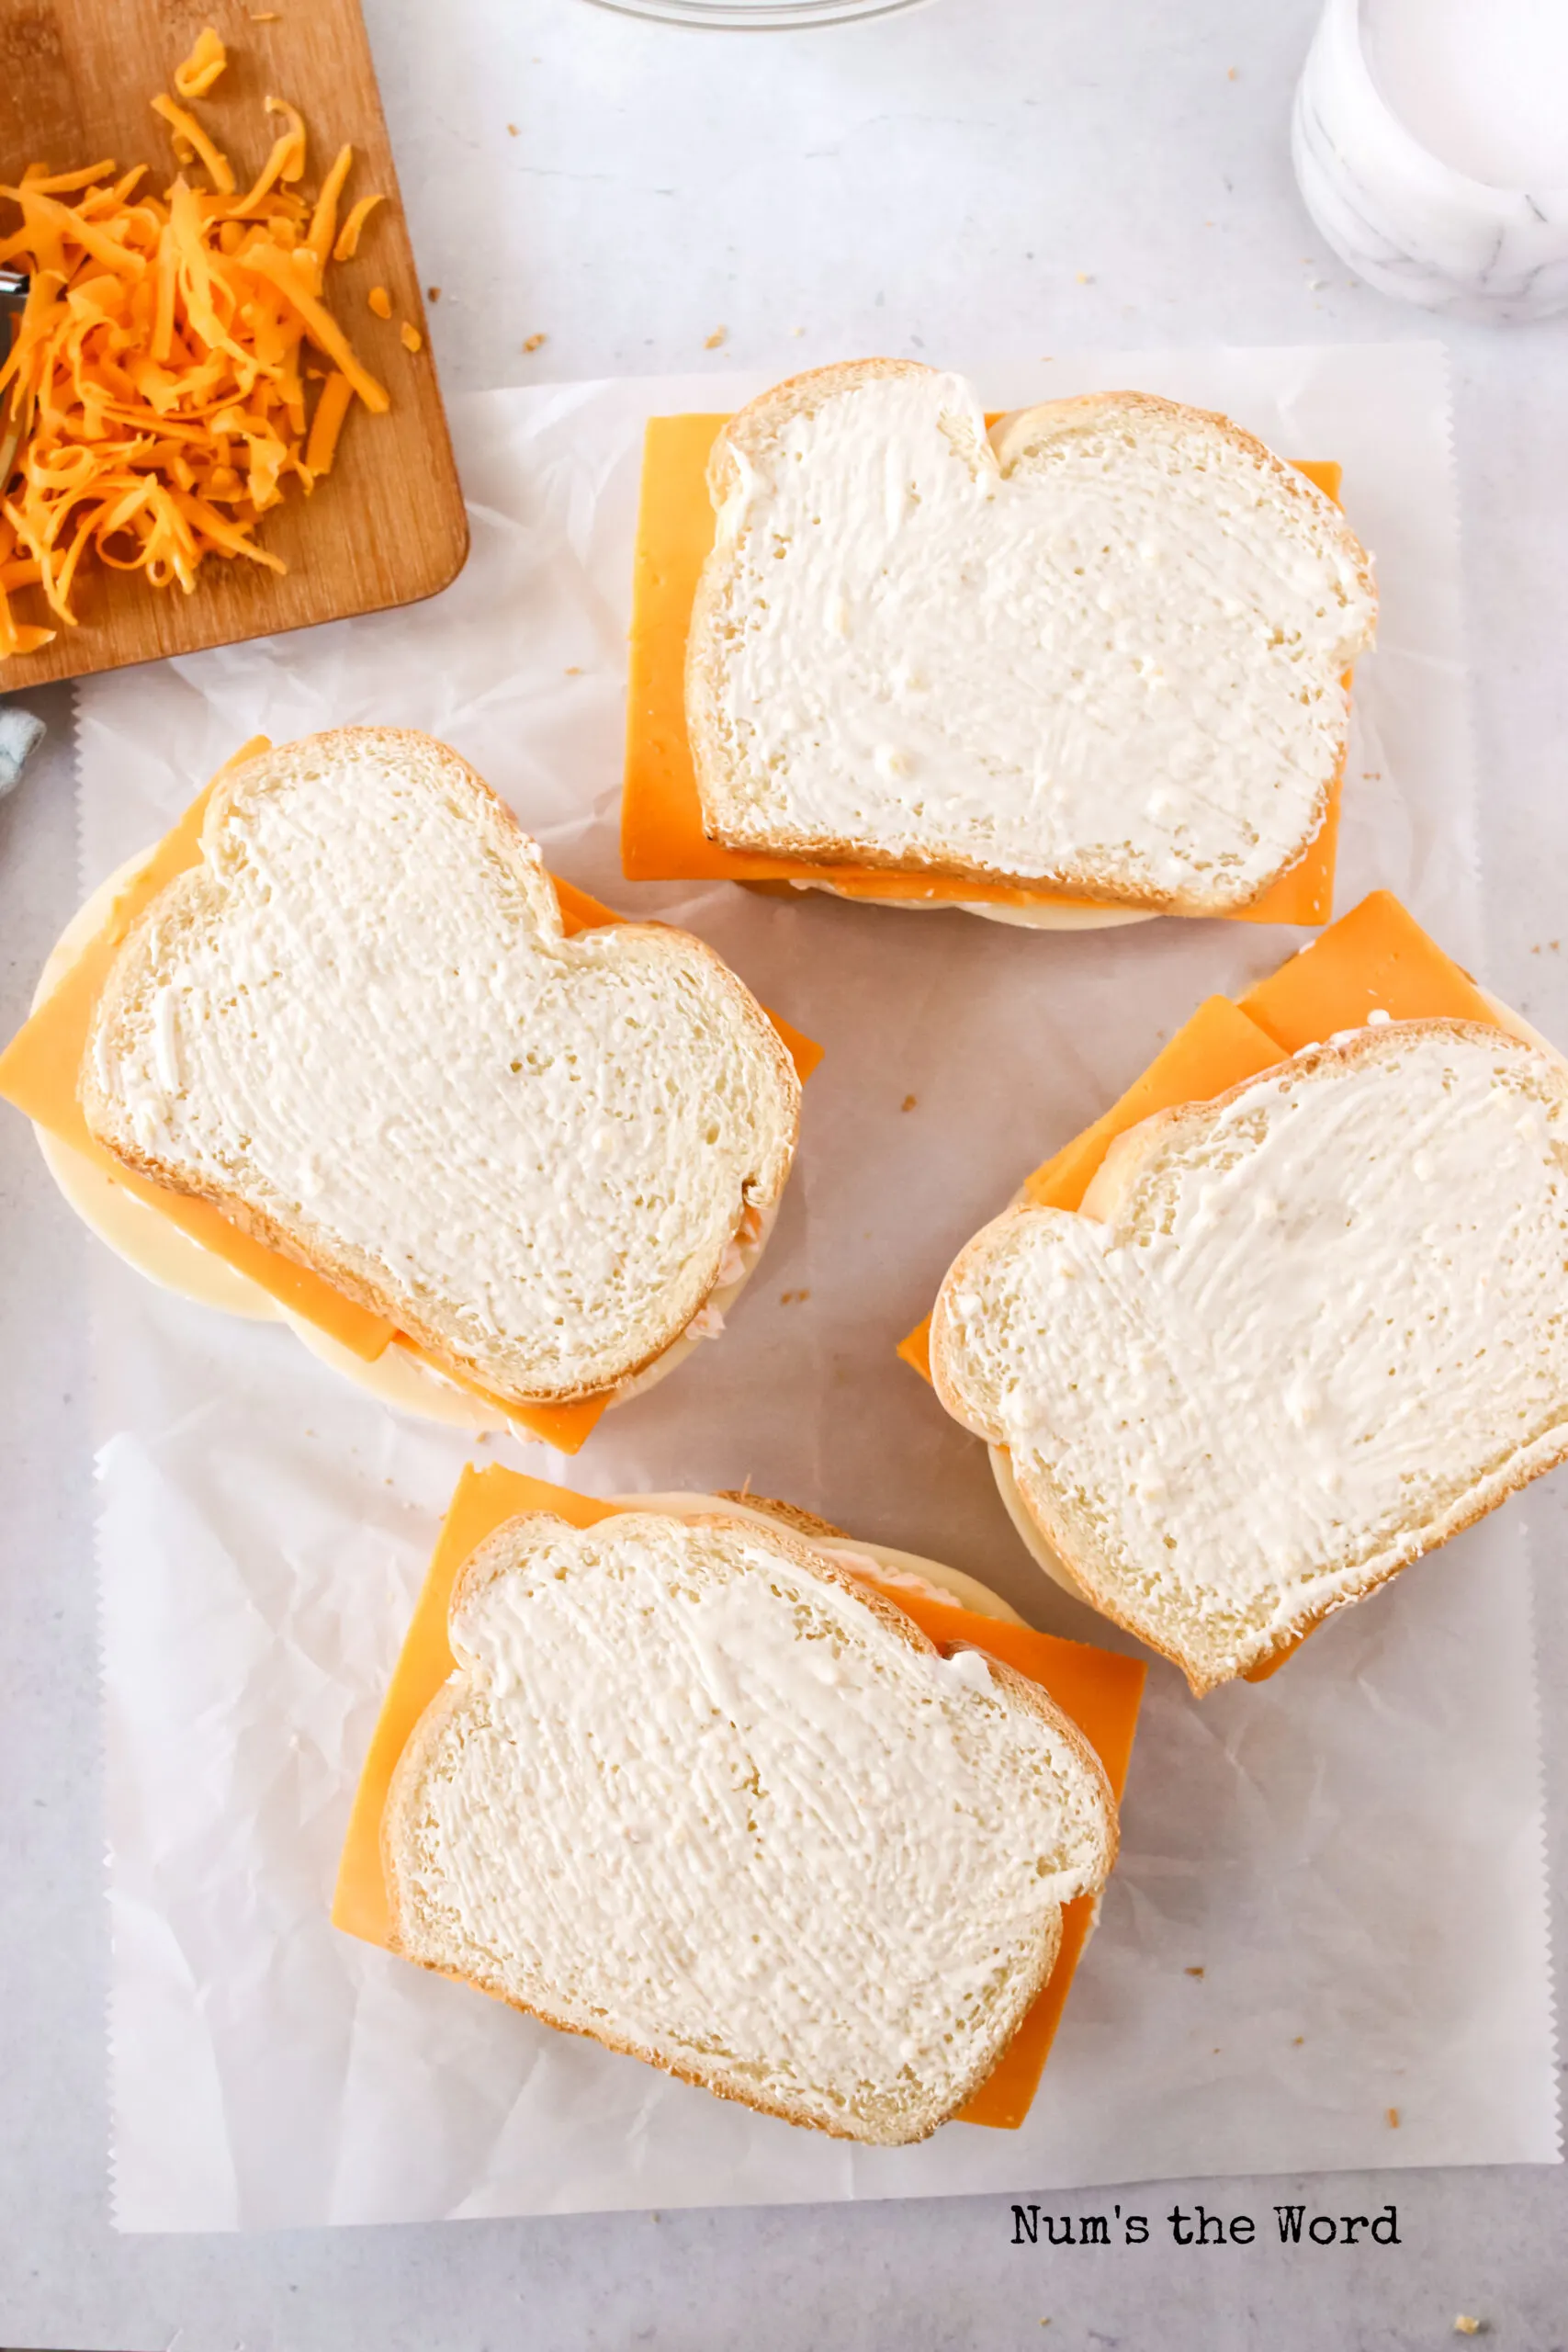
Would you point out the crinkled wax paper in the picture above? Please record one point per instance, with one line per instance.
(1330, 1900)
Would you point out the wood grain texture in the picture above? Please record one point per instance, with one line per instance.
(387, 527)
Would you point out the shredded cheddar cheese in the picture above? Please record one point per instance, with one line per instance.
(292, 167)
(411, 337)
(347, 245)
(380, 301)
(192, 144)
(202, 67)
(156, 387)
(337, 393)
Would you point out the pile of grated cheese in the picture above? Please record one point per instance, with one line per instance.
(161, 387)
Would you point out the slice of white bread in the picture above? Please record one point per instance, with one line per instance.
(1295, 1338)
(359, 1029)
(694, 1791)
(1099, 650)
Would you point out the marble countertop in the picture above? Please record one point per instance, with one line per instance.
(976, 175)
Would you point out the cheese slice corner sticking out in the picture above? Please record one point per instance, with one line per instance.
(1376, 959)
(1216, 1048)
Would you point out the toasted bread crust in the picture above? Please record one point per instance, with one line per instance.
(491, 1559)
(805, 1522)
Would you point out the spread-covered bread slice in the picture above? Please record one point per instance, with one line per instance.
(1100, 650)
(360, 1028)
(695, 1791)
(1296, 1337)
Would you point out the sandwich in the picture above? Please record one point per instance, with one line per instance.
(1292, 1315)
(341, 1044)
(700, 1778)
(1087, 665)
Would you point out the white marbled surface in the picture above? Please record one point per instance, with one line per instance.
(1008, 175)
(1402, 218)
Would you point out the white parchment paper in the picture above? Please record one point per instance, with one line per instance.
(1324, 1944)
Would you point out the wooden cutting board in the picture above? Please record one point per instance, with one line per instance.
(387, 525)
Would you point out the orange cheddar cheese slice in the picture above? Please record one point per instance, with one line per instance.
(38, 1073)
(1217, 1048)
(1377, 958)
(662, 817)
(1098, 1689)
